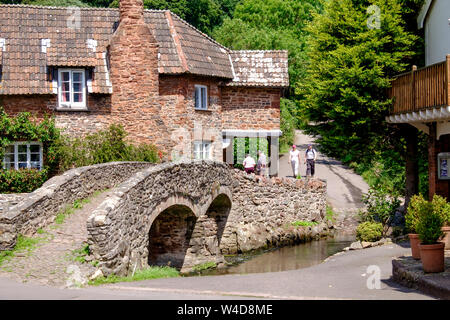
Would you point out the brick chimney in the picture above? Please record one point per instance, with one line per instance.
(133, 53)
(131, 11)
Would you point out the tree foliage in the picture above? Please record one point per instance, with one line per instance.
(350, 68)
(270, 25)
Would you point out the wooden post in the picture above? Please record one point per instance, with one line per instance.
(413, 87)
(432, 160)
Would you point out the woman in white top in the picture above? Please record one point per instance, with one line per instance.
(249, 164)
(294, 160)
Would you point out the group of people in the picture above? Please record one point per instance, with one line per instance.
(250, 164)
(310, 160)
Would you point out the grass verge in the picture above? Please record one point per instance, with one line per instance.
(23, 245)
(77, 204)
(145, 274)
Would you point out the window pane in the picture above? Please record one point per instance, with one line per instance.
(22, 148)
(197, 98)
(65, 86)
(77, 87)
(9, 165)
(77, 97)
(35, 148)
(36, 165)
(22, 157)
(22, 165)
(9, 158)
(9, 149)
(65, 97)
(35, 157)
(65, 76)
(204, 98)
(77, 77)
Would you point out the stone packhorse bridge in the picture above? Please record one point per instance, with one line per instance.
(186, 214)
(177, 214)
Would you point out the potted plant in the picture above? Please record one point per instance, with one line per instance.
(442, 207)
(429, 229)
(415, 207)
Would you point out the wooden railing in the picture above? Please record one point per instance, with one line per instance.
(421, 89)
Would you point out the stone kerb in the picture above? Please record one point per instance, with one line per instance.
(119, 228)
(39, 208)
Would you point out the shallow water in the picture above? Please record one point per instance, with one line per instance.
(286, 258)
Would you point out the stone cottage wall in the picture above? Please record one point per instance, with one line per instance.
(39, 208)
(250, 108)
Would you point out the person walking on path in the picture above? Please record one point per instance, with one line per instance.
(294, 160)
(310, 160)
(262, 164)
(249, 164)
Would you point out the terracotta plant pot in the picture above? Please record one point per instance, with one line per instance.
(414, 241)
(432, 256)
(446, 239)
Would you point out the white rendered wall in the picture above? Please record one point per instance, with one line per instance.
(437, 32)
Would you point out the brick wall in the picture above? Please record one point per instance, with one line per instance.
(182, 114)
(436, 186)
(73, 123)
(251, 108)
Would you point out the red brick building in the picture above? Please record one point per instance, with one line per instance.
(148, 70)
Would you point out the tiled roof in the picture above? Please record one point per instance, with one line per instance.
(260, 68)
(39, 38)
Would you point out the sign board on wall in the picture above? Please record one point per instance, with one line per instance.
(443, 166)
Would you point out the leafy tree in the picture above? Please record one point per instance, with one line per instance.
(350, 67)
(270, 25)
(202, 14)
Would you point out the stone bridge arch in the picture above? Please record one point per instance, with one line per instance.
(175, 203)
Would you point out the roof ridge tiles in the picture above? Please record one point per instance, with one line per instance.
(81, 8)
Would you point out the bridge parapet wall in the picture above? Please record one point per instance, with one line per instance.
(264, 209)
(25, 213)
(119, 228)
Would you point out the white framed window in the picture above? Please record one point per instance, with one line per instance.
(201, 97)
(71, 89)
(202, 150)
(23, 155)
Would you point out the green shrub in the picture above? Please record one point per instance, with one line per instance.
(442, 208)
(381, 207)
(369, 231)
(429, 224)
(104, 146)
(287, 124)
(21, 181)
(415, 208)
(418, 207)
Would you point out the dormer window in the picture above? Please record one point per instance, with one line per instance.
(201, 97)
(71, 89)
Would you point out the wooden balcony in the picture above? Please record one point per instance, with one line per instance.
(421, 89)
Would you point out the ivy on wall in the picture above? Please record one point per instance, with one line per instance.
(24, 128)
